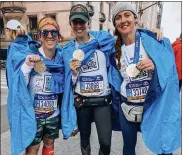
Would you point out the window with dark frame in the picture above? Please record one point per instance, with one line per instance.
(33, 22)
(109, 17)
(101, 7)
(101, 26)
(33, 27)
(1, 25)
(101, 10)
(51, 15)
(89, 3)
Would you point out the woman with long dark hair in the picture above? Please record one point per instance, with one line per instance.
(150, 100)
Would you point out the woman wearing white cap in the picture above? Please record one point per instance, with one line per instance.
(20, 42)
(15, 29)
(150, 99)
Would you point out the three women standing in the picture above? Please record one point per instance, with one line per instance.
(148, 86)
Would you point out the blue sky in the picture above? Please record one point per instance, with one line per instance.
(171, 20)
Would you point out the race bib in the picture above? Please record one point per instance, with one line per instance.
(91, 84)
(45, 103)
(137, 91)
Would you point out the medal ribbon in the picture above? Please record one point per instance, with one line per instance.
(136, 49)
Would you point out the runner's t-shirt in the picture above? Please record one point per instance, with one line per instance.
(134, 88)
(45, 102)
(92, 78)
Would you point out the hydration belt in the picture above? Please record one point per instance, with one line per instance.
(133, 112)
(83, 101)
(124, 99)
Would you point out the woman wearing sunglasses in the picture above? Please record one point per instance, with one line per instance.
(150, 100)
(35, 96)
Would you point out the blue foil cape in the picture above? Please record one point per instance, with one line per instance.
(161, 124)
(21, 115)
(102, 41)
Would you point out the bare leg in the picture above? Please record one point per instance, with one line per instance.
(48, 148)
(32, 150)
(48, 142)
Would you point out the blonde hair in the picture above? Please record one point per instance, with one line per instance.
(48, 20)
(19, 32)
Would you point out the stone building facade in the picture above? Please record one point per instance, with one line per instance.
(29, 14)
(100, 15)
(149, 14)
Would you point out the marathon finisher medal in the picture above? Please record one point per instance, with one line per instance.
(39, 67)
(78, 54)
(132, 70)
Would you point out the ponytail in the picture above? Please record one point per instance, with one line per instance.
(20, 31)
(118, 48)
(17, 33)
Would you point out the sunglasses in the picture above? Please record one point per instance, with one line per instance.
(75, 22)
(45, 33)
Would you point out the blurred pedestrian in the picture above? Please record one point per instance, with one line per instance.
(177, 48)
(17, 33)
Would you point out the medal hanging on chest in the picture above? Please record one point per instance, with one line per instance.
(132, 70)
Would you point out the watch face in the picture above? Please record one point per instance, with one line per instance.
(132, 70)
(39, 67)
(78, 54)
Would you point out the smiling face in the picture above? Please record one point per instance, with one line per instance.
(125, 22)
(79, 27)
(50, 40)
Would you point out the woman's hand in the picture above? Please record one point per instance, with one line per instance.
(74, 65)
(74, 132)
(146, 64)
(159, 34)
(32, 59)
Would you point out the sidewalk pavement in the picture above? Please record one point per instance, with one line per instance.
(72, 145)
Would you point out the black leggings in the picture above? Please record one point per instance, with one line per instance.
(180, 84)
(102, 118)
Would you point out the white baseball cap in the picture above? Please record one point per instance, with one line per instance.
(13, 24)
